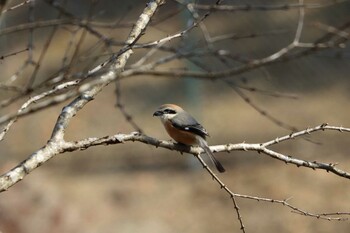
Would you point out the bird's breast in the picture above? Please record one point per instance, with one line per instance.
(181, 136)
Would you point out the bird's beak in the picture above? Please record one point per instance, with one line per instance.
(157, 113)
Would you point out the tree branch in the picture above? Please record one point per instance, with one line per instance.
(53, 148)
(57, 144)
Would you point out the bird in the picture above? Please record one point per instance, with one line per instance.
(184, 129)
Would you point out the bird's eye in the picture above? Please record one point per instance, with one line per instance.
(169, 111)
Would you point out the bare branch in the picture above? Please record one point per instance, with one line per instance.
(264, 113)
(300, 24)
(17, 6)
(223, 186)
(333, 30)
(57, 99)
(56, 144)
(53, 148)
(122, 109)
(325, 216)
(250, 7)
(33, 100)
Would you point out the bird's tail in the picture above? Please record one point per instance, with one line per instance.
(203, 144)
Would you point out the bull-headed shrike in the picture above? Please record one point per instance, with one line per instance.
(183, 128)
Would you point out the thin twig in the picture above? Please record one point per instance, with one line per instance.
(223, 186)
(257, 108)
(265, 7)
(128, 117)
(33, 100)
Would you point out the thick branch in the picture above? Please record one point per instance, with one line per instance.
(53, 148)
(57, 144)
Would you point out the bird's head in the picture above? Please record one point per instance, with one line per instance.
(167, 111)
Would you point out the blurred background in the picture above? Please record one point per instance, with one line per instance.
(135, 187)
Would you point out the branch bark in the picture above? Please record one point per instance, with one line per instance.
(53, 148)
(56, 143)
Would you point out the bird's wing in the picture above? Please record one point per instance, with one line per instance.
(184, 121)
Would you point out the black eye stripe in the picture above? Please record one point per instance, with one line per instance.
(169, 111)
